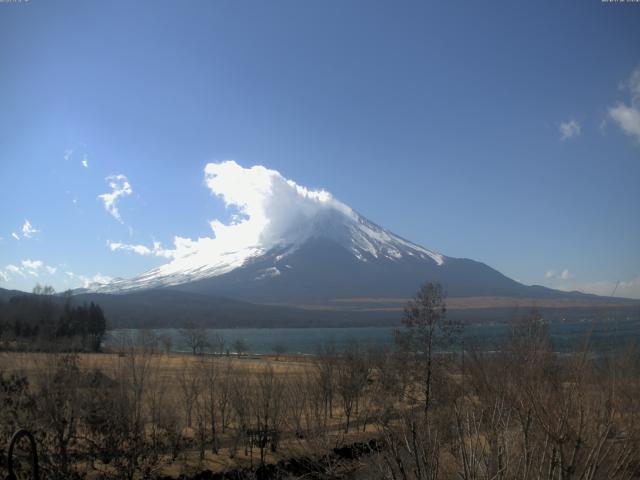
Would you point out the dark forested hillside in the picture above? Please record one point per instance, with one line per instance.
(41, 319)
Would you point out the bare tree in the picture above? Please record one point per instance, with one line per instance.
(147, 339)
(59, 407)
(189, 381)
(158, 407)
(268, 409)
(200, 432)
(195, 337)
(325, 363)
(352, 375)
(128, 449)
(279, 349)
(297, 392)
(43, 290)
(425, 327)
(217, 343)
(240, 393)
(17, 408)
(210, 374)
(241, 346)
(224, 390)
(314, 413)
(166, 341)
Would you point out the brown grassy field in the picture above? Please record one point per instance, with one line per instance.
(397, 304)
(29, 363)
(167, 374)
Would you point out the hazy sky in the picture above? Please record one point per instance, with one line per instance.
(507, 132)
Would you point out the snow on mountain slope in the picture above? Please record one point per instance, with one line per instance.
(272, 213)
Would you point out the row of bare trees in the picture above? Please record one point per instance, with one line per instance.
(143, 410)
(522, 411)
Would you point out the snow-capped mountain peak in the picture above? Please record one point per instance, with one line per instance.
(362, 238)
(273, 214)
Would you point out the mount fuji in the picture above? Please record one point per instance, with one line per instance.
(291, 245)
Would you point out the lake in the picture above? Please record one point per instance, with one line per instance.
(565, 336)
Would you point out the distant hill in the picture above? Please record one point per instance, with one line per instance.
(172, 308)
(159, 308)
(5, 295)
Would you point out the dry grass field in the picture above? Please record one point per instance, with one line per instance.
(177, 380)
(29, 363)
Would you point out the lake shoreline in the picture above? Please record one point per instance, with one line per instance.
(604, 335)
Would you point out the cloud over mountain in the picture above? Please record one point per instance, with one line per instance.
(268, 211)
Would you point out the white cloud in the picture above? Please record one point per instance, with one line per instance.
(268, 204)
(626, 289)
(120, 187)
(86, 282)
(97, 279)
(32, 264)
(28, 230)
(37, 269)
(32, 267)
(28, 267)
(139, 249)
(627, 118)
(565, 280)
(156, 250)
(630, 288)
(13, 269)
(267, 208)
(627, 115)
(74, 152)
(569, 129)
(565, 274)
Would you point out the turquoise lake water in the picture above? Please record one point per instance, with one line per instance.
(565, 336)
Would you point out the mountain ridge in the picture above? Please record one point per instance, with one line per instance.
(168, 308)
(331, 253)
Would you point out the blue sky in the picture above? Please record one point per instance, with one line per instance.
(506, 132)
